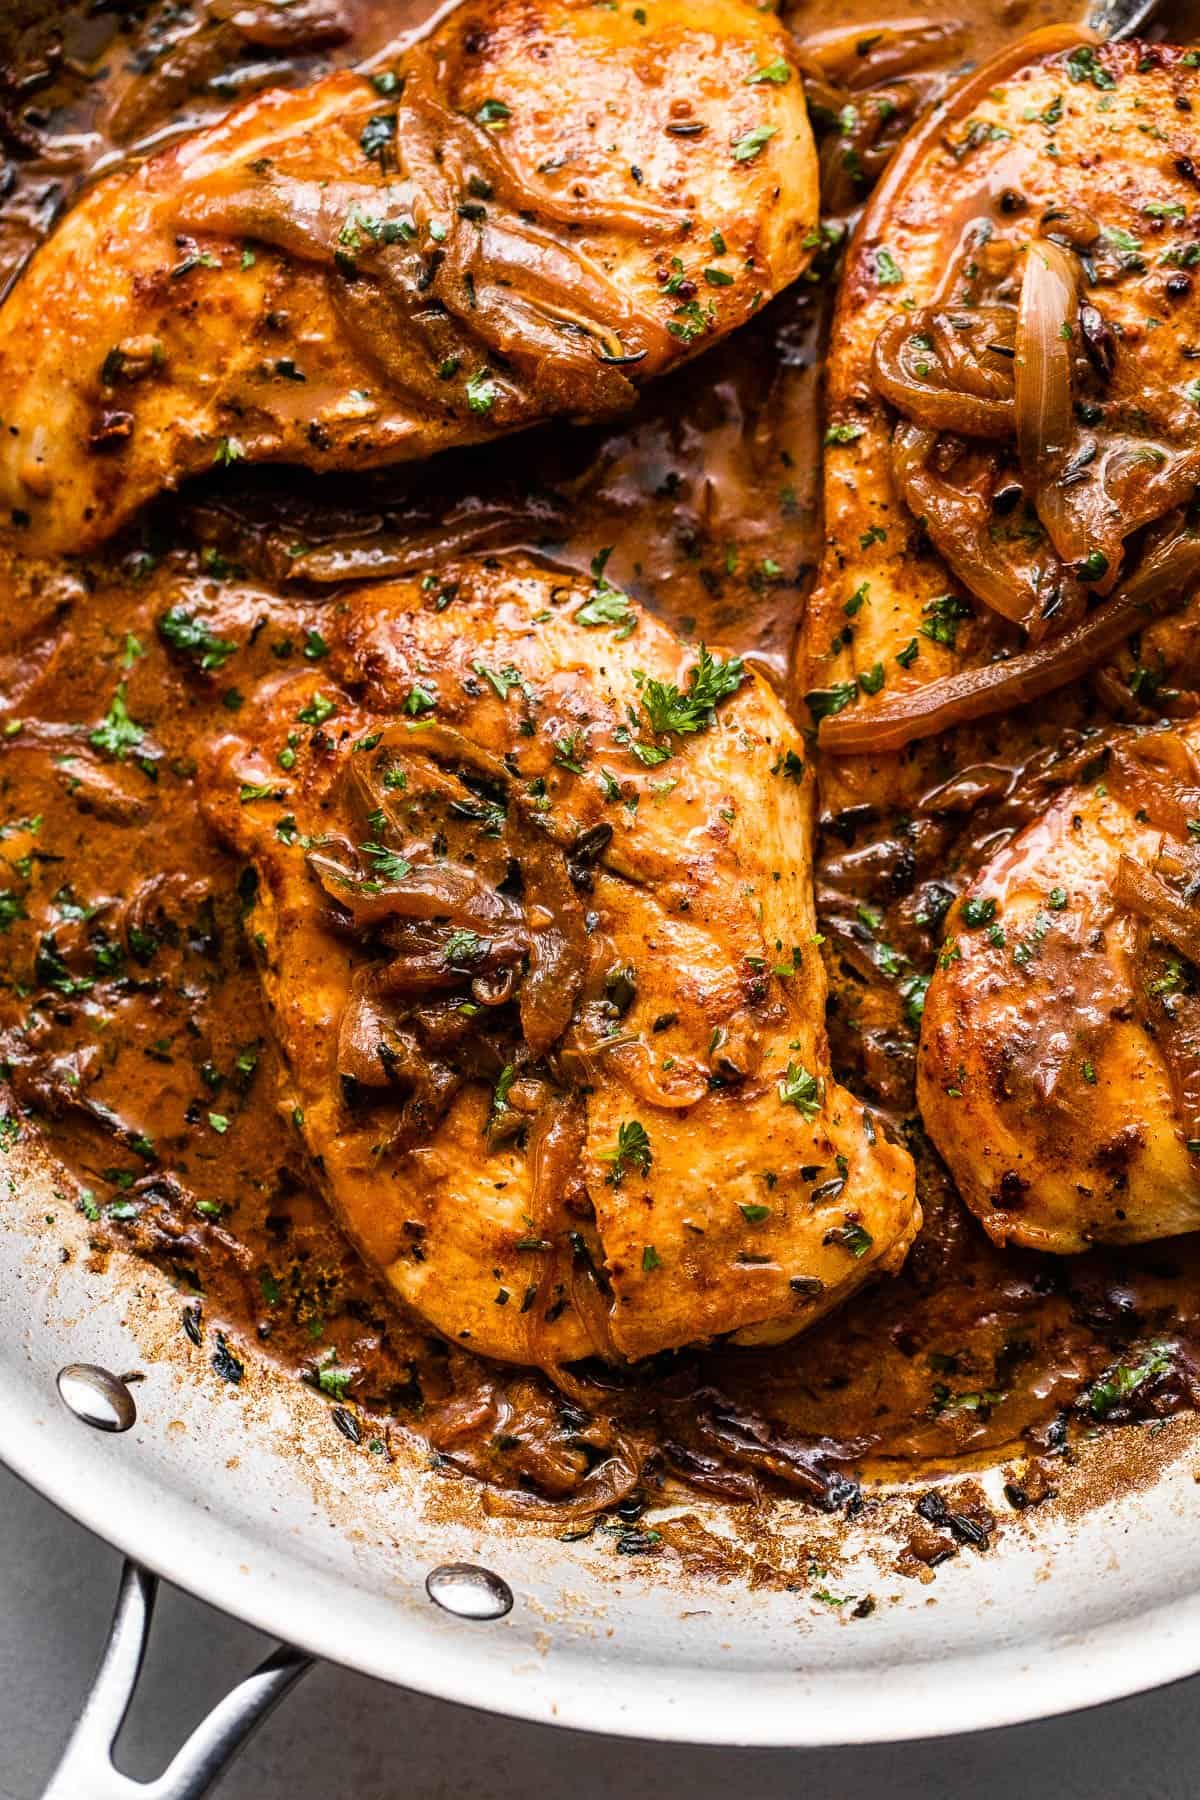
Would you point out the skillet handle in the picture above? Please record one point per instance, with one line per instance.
(86, 1771)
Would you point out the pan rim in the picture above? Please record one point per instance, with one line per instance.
(991, 1690)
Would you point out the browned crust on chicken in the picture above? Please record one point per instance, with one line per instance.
(523, 223)
(624, 909)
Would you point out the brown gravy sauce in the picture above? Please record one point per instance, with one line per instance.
(147, 1061)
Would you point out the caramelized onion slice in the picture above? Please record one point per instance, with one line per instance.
(507, 284)
(860, 55)
(303, 218)
(555, 1160)
(1163, 580)
(506, 280)
(949, 370)
(1022, 583)
(558, 946)
(1146, 894)
(1046, 333)
(469, 145)
(1163, 914)
(607, 1484)
(367, 556)
(426, 891)
(407, 351)
(682, 1086)
(442, 743)
(1157, 773)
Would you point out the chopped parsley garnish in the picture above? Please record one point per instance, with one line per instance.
(976, 912)
(419, 700)
(569, 752)
(1121, 1383)
(852, 1237)
(377, 140)
(822, 703)
(360, 225)
(386, 865)
(942, 615)
(694, 708)
(500, 1092)
(332, 1380)
(776, 72)
(317, 711)
(1172, 212)
(184, 632)
(463, 947)
(117, 734)
(800, 1089)
(631, 1151)
(481, 391)
(1082, 66)
(748, 147)
(888, 272)
(501, 681)
(607, 605)
(912, 991)
(229, 450)
(691, 321)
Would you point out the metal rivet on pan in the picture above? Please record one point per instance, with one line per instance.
(469, 1592)
(97, 1397)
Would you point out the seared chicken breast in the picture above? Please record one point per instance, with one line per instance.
(1013, 448)
(1014, 428)
(535, 922)
(1059, 1070)
(538, 209)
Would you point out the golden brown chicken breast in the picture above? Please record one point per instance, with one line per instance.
(1059, 1069)
(1014, 408)
(1013, 448)
(541, 207)
(535, 919)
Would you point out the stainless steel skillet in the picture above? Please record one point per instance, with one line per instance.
(245, 1496)
(248, 1497)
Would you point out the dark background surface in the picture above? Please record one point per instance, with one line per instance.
(341, 1737)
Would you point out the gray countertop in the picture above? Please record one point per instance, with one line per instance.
(342, 1737)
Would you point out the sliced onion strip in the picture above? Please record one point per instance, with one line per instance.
(1046, 328)
(1139, 891)
(1163, 581)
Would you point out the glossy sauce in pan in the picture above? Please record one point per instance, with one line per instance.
(147, 1059)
